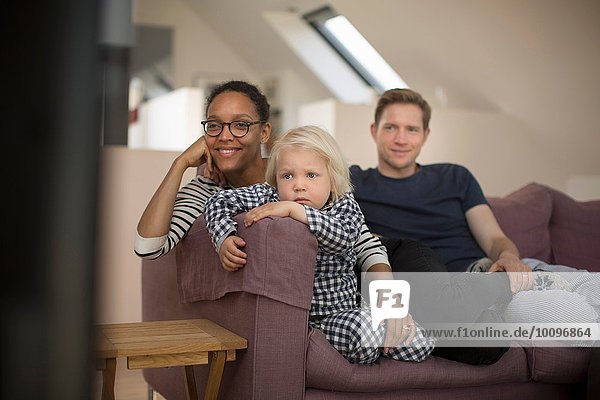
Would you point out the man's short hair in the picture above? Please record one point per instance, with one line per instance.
(403, 96)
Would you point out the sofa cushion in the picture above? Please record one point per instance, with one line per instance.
(575, 231)
(524, 216)
(327, 369)
(558, 364)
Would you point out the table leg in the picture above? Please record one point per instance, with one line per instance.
(191, 392)
(217, 363)
(108, 379)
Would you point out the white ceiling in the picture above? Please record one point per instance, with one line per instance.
(537, 60)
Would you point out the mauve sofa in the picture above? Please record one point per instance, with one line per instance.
(267, 302)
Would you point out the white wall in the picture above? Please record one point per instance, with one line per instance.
(501, 152)
(128, 178)
(293, 93)
(194, 41)
(168, 122)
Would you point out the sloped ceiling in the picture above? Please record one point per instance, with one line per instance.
(536, 60)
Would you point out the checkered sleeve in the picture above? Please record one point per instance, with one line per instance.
(337, 226)
(224, 205)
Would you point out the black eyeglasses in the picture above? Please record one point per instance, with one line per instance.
(237, 128)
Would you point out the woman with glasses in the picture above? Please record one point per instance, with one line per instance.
(237, 124)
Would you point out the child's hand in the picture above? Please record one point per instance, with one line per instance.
(232, 258)
(277, 209)
(400, 332)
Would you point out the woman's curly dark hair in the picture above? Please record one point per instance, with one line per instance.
(252, 92)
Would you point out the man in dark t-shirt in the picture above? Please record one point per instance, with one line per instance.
(428, 206)
(441, 205)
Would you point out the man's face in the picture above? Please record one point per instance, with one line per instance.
(399, 138)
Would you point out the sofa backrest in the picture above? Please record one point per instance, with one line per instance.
(524, 216)
(548, 225)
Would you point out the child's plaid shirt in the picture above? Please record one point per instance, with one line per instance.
(336, 226)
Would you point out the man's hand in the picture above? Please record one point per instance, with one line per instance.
(232, 258)
(276, 209)
(399, 332)
(519, 273)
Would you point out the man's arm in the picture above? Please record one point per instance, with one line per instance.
(498, 246)
(489, 235)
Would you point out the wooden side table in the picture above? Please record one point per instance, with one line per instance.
(167, 344)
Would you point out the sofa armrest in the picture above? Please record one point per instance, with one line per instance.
(280, 264)
(266, 302)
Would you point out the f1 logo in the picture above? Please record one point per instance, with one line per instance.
(389, 299)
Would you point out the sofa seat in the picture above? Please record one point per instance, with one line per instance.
(327, 369)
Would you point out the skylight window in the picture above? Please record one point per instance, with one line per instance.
(355, 49)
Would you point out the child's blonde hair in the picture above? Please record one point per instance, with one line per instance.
(318, 140)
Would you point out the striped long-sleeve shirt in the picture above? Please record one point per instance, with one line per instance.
(190, 204)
